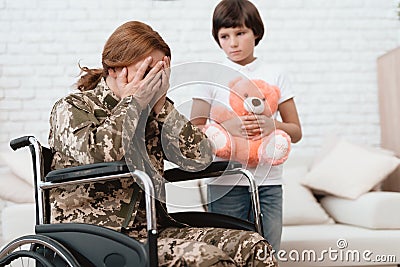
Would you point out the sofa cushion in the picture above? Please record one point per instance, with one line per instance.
(349, 170)
(14, 189)
(338, 245)
(16, 177)
(299, 205)
(19, 162)
(375, 210)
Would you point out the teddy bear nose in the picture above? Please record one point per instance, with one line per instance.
(256, 102)
(254, 105)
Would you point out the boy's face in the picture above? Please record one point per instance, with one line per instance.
(238, 44)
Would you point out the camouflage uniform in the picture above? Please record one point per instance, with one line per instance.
(94, 126)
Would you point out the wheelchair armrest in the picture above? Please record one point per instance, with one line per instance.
(120, 167)
(216, 168)
(87, 171)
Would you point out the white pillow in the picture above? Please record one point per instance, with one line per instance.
(15, 189)
(19, 162)
(349, 170)
(375, 210)
(331, 141)
(299, 205)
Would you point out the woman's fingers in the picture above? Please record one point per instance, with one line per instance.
(122, 81)
(160, 83)
(167, 67)
(154, 71)
(149, 89)
(161, 86)
(165, 81)
(122, 78)
(148, 85)
(156, 93)
(151, 82)
(140, 73)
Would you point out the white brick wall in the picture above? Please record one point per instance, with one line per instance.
(329, 48)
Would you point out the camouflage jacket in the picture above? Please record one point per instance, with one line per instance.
(95, 126)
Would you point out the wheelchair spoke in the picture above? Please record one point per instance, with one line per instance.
(38, 251)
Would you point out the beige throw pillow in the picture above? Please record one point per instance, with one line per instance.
(19, 162)
(15, 189)
(349, 170)
(300, 207)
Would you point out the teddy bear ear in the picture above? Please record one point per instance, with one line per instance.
(233, 82)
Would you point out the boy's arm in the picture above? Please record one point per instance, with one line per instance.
(290, 120)
(201, 112)
(259, 126)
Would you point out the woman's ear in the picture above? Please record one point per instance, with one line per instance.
(112, 73)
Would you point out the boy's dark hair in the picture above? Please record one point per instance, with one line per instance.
(237, 13)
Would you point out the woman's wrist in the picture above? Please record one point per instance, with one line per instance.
(165, 109)
(158, 107)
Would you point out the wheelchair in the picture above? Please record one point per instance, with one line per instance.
(78, 244)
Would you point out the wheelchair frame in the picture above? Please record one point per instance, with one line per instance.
(60, 238)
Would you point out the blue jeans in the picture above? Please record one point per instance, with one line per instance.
(236, 201)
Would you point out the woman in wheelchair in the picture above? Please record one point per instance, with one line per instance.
(121, 112)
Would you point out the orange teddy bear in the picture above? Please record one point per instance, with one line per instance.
(249, 97)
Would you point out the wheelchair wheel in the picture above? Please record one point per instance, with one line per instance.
(36, 250)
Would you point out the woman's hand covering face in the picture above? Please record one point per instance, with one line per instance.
(147, 80)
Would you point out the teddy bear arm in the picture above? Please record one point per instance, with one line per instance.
(220, 114)
(246, 151)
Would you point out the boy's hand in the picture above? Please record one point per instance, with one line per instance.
(234, 127)
(257, 126)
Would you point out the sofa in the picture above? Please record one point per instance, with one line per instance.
(326, 226)
(334, 211)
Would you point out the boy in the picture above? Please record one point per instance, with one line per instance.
(237, 29)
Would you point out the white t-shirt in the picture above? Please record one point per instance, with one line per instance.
(219, 95)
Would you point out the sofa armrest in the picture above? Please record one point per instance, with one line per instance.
(375, 210)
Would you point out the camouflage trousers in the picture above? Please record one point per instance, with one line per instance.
(213, 247)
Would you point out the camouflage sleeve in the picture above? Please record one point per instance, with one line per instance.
(77, 133)
(183, 143)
